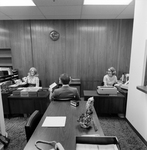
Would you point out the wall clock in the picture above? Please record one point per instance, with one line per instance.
(54, 35)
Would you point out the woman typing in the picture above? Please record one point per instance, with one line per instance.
(110, 78)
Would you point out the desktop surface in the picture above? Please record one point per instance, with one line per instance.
(65, 135)
(95, 94)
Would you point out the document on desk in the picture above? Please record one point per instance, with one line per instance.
(96, 147)
(54, 121)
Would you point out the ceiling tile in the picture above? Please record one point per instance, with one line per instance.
(28, 17)
(61, 10)
(96, 10)
(127, 13)
(100, 16)
(66, 9)
(4, 16)
(57, 2)
(31, 10)
(63, 17)
(132, 3)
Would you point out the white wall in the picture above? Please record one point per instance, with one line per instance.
(2, 122)
(137, 100)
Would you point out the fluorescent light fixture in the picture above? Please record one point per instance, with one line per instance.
(107, 2)
(17, 3)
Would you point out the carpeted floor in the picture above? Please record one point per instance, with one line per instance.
(16, 133)
(111, 127)
(128, 139)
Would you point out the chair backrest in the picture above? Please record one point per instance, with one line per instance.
(102, 83)
(31, 124)
(63, 100)
(40, 82)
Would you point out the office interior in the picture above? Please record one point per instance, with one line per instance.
(86, 48)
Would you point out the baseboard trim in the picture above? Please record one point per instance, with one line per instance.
(139, 135)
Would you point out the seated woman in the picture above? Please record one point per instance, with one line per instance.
(110, 78)
(32, 79)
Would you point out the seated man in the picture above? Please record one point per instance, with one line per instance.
(65, 92)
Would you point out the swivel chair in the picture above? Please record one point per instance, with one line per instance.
(32, 123)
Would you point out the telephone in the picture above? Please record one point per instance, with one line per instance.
(125, 85)
(57, 146)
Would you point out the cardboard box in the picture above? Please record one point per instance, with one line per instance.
(29, 92)
(24, 93)
(43, 92)
(16, 92)
(33, 94)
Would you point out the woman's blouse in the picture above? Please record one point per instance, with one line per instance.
(32, 81)
(109, 81)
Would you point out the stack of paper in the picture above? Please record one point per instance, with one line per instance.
(54, 121)
(96, 147)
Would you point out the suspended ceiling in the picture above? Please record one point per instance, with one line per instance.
(66, 9)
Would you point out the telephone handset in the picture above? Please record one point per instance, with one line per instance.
(57, 146)
(126, 83)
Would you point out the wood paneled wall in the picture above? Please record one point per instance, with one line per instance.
(85, 49)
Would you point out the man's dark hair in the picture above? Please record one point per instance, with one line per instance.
(65, 79)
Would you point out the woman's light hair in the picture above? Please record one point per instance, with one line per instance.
(112, 69)
(35, 71)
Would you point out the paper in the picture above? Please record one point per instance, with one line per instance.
(91, 135)
(96, 147)
(31, 89)
(86, 147)
(53, 85)
(54, 121)
(13, 85)
(108, 147)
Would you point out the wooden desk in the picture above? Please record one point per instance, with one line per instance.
(26, 105)
(65, 135)
(6, 105)
(107, 104)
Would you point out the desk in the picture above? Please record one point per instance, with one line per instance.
(26, 105)
(107, 104)
(74, 83)
(6, 106)
(66, 135)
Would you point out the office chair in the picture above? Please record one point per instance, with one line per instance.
(63, 100)
(40, 83)
(31, 124)
(102, 83)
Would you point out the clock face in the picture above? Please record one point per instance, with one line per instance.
(54, 35)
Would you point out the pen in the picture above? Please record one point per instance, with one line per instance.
(95, 127)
